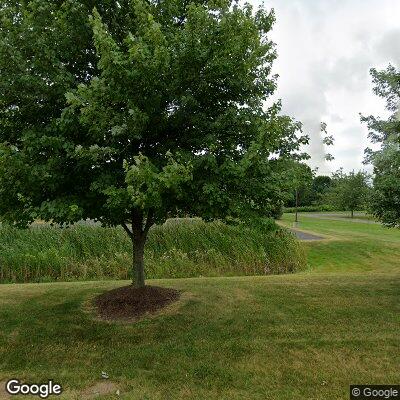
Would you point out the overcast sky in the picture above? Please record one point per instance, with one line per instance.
(325, 50)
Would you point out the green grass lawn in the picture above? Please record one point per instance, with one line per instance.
(351, 246)
(301, 336)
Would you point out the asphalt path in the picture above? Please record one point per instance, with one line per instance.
(305, 236)
(338, 217)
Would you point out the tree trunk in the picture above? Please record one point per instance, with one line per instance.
(138, 236)
(297, 203)
(138, 261)
(352, 213)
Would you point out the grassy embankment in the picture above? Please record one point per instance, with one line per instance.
(351, 245)
(179, 248)
(299, 336)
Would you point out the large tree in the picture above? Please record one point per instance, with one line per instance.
(385, 199)
(133, 111)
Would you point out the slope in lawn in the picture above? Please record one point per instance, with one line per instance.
(350, 245)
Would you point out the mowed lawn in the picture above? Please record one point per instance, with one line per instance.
(303, 336)
(350, 246)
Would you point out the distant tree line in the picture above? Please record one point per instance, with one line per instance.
(341, 191)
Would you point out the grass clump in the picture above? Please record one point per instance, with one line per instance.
(179, 248)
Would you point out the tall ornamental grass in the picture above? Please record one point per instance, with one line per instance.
(179, 248)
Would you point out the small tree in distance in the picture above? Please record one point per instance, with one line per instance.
(156, 112)
(348, 191)
(320, 186)
(302, 175)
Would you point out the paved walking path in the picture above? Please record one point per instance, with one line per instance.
(339, 217)
(305, 236)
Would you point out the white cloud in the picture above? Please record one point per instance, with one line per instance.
(325, 50)
(388, 47)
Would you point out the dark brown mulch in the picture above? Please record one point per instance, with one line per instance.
(130, 303)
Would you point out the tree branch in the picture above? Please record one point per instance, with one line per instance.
(127, 230)
(149, 221)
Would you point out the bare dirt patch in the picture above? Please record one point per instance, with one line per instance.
(130, 303)
(99, 389)
(3, 393)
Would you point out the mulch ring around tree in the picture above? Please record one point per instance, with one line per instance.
(131, 303)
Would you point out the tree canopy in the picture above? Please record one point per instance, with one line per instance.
(385, 199)
(131, 112)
